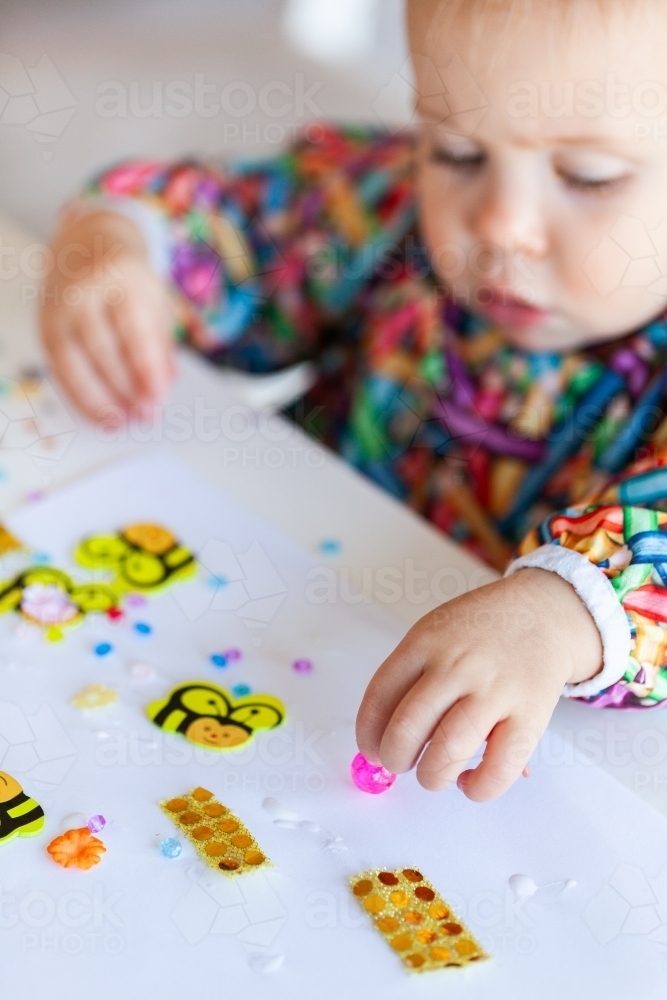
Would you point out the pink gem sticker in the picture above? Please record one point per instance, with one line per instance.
(371, 778)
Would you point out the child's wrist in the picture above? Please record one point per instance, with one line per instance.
(575, 633)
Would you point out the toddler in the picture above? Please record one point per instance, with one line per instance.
(485, 299)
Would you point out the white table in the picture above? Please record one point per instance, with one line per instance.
(229, 434)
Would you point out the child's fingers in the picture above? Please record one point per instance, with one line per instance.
(86, 390)
(387, 688)
(456, 739)
(93, 335)
(508, 750)
(415, 719)
(143, 332)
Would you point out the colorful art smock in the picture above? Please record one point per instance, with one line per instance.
(559, 457)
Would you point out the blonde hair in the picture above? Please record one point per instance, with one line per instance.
(425, 18)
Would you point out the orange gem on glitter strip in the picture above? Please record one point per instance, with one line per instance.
(399, 898)
(214, 810)
(374, 904)
(216, 849)
(387, 878)
(253, 857)
(202, 794)
(401, 942)
(176, 805)
(414, 961)
(387, 924)
(228, 825)
(189, 818)
(202, 833)
(362, 888)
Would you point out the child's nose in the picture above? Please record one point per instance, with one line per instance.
(510, 215)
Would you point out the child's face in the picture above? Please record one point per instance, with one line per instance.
(543, 165)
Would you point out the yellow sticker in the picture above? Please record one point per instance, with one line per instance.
(207, 715)
(94, 696)
(217, 834)
(415, 920)
(20, 816)
(140, 557)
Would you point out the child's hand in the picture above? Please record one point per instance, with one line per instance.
(106, 319)
(491, 666)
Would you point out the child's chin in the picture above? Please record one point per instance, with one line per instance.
(539, 339)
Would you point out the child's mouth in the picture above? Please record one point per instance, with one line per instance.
(508, 310)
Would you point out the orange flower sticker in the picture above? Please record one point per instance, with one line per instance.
(77, 849)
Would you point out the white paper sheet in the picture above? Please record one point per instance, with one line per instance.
(140, 924)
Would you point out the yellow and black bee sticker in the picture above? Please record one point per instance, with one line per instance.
(20, 816)
(207, 715)
(48, 597)
(220, 838)
(141, 557)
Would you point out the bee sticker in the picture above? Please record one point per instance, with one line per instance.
(20, 816)
(141, 557)
(208, 716)
(47, 597)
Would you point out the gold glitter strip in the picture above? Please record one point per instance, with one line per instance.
(414, 919)
(218, 836)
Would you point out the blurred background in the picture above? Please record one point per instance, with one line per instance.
(84, 83)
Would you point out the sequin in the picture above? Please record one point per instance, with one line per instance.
(439, 954)
(399, 898)
(465, 947)
(362, 888)
(202, 833)
(215, 810)
(254, 857)
(414, 961)
(228, 825)
(189, 818)
(176, 805)
(388, 878)
(424, 893)
(412, 918)
(202, 794)
(232, 855)
(216, 850)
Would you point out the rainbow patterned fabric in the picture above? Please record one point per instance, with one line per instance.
(315, 255)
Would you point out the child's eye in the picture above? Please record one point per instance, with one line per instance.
(593, 173)
(593, 185)
(459, 159)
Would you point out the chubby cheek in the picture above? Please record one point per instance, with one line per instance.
(443, 229)
(613, 276)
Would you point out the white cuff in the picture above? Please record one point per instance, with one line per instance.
(598, 595)
(152, 224)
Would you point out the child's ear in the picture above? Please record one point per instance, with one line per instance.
(264, 713)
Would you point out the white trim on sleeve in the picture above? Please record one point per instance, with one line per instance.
(600, 598)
